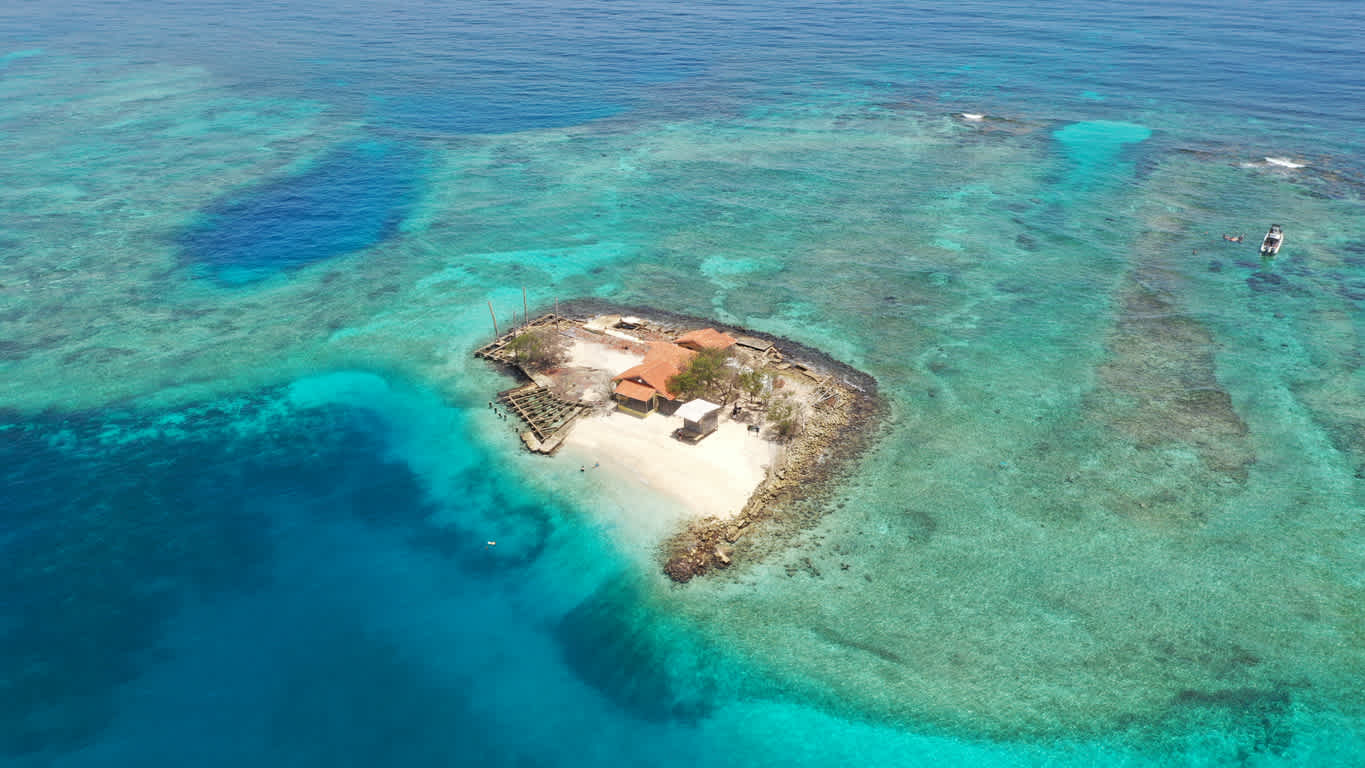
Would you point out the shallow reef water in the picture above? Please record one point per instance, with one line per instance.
(258, 511)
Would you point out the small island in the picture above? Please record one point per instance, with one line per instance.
(746, 430)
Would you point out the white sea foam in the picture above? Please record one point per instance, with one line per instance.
(1283, 162)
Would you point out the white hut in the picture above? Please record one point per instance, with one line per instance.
(699, 418)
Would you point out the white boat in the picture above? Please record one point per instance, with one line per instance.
(1273, 240)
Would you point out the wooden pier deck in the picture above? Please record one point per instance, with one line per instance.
(548, 416)
(497, 349)
(826, 391)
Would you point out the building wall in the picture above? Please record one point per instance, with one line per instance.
(705, 425)
(639, 407)
(710, 421)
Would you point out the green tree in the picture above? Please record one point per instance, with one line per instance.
(702, 375)
(539, 347)
(751, 383)
(783, 414)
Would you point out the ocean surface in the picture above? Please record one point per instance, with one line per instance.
(1115, 514)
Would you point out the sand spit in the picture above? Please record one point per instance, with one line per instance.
(714, 479)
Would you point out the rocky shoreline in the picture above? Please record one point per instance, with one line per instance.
(791, 498)
(796, 491)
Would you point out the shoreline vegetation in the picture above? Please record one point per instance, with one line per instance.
(810, 416)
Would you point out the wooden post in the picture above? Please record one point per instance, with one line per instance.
(525, 310)
(495, 319)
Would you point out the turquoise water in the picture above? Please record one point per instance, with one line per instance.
(1113, 517)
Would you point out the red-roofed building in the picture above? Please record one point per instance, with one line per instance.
(643, 388)
(706, 338)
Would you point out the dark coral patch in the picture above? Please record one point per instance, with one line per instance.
(1159, 385)
(615, 645)
(353, 198)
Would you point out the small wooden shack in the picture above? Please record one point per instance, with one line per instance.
(700, 418)
(758, 345)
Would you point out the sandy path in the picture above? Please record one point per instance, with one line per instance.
(603, 357)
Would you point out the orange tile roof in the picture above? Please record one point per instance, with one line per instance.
(706, 338)
(662, 362)
(634, 391)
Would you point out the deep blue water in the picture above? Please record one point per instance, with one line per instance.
(267, 580)
(352, 198)
(1285, 65)
(1288, 73)
(215, 545)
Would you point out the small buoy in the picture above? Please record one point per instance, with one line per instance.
(491, 544)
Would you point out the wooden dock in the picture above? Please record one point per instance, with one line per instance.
(826, 390)
(548, 416)
(497, 349)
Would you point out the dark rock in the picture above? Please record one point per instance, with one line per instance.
(13, 350)
(920, 525)
(1296, 267)
(623, 652)
(1262, 282)
(722, 556)
(1353, 289)
(681, 569)
(96, 355)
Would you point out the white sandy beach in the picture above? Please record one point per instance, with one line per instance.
(714, 477)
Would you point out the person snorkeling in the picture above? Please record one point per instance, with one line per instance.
(1232, 239)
